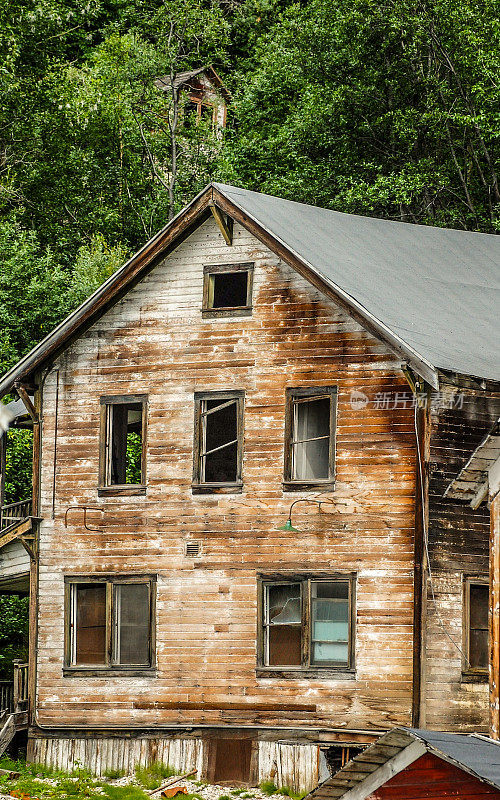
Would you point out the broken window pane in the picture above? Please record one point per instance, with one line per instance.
(89, 625)
(125, 443)
(132, 623)
(478, 625)
(311, 438)
(330, 622)
(284, 621)
(228, 289)
(219, 449)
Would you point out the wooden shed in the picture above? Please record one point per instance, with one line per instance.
(412, 764)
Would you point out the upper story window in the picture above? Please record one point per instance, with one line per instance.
(227, 289)
(218, 440)
(308, 623)
(109, 622)
(310, 436)
(476, 625)
(123, 442)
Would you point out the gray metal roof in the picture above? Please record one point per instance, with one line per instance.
(477, 755)
(437, 289)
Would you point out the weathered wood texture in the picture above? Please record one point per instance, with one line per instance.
(155, 341)
(14, 563)
(432, 778)
(292, 765)
(100, 754)
(458, 546)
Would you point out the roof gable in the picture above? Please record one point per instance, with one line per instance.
(409, 285)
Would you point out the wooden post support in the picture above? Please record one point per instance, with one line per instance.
(494, 618)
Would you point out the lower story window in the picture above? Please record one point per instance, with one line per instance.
(308, 623)
(109, 622)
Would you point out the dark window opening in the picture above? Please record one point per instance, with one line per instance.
(228, 290)
(124, 445)
(126, 640)
(477, 594)
(228, 287)
(337, 757)
(308, 623)
(310, 435)
(219, 433)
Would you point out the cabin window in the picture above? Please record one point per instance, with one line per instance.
(476, 625)
(218, 440)
(308, 623)
(310, 436)
(227, 289)
(123, 441)
(109, 623)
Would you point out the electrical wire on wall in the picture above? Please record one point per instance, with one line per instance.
(426, 546)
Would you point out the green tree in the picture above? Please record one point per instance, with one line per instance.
(388, 109)
(13, 632)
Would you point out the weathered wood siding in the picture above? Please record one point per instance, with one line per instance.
(459, 547)
(155, 341)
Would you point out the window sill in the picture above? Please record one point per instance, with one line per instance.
(474, 677)
(118, 672)
(321, 673)
(236, 311)
(217, 488)
(304, 486)
(119, 491)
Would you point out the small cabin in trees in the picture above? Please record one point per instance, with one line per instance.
(244, 561)
(201, 94)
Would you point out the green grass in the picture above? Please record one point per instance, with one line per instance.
(268, 787)
(114, 774)
(154, 774)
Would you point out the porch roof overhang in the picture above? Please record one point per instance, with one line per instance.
(472, 482)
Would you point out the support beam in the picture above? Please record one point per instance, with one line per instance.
(225, 225)
(23, 394)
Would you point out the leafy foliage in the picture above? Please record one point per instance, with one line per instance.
(13, 632)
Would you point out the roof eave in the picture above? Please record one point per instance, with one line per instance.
(108, 293)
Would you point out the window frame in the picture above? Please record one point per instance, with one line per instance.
(227, 311)
(201, 487)
(115, 489)
(290, 483)
(468, 672)
(110, 667)
(307, 667)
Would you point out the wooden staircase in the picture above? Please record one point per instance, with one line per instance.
(13, 705)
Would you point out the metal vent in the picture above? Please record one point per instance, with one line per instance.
(192, 548)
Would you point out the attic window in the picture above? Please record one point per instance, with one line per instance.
(123, 438)
(228, 289)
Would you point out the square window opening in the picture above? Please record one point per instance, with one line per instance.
(228, 287)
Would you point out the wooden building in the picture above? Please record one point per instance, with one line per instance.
(407, 764)
(242, 442)
(201, 93)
